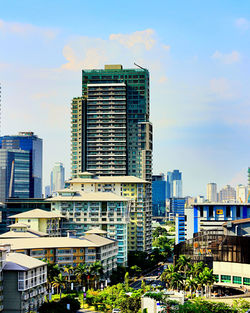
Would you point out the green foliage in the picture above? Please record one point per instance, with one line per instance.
(118, 275)
(130, 304)
(61, 306)
(241, 305)
(202, 306)
(159, 231)
(158, 296)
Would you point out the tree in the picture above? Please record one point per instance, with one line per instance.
(126, 281)
(183, 263)
(159, 231)
(69, 270)
(209, 280)
(135, 270)
(59, 283)
(53, 270)
(130, 304)
(82, 272)
(96, 270)
(167, 274)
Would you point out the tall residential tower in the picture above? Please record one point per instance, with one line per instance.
(110, 129)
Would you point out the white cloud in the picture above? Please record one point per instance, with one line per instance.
(144, 38)
(221, 88)
(242, 23)
(166, 47)
(227, 58)
(22, 29)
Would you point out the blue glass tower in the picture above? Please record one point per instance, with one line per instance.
(14, 174)
(159, 194)
(27, 141)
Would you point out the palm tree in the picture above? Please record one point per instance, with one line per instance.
(196, 269)
(176, 281)
(166, 276)
(209, 279)
(191, 284)
(183, 263)
(96, 270)
(53, 270)
(82, 272)
(69, 270)
(59, 282)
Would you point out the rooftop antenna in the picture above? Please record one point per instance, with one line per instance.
(140, 66)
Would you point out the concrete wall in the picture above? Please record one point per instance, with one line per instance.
(11, 300)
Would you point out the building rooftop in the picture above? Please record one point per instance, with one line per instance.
(56, 242)
(21, 234)
(18, 225)
(86, 196)
(96, 230)
(109, 179)
(240, 221)
(36, 213)
(21, 262)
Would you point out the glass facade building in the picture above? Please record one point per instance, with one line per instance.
(159, 195)
(14, 174)
(27, 141)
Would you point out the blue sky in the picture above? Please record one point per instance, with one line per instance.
(198, 56)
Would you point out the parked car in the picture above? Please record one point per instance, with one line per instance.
(116, 311)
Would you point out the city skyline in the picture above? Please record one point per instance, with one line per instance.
(198, 73)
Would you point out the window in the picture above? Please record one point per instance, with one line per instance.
(237, 280)
(246, 281)
(238, 211)
(201, 211)
(227, 279)
(228, 211)
(211, 211)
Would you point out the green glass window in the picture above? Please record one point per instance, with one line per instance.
(246, 281)
(225, 279)
(237, 280)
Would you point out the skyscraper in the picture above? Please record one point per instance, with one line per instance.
(57, 177)
(174, 184)
(241, 193)
(111, 133)
(14, 174)
(27, 141)
(227, 194)
(159, 190)
(212, 192)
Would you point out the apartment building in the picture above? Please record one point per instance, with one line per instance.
(137, 191)
(64, 250)
(40, 220)
(110, 129)
(24, 283)
(84, 210)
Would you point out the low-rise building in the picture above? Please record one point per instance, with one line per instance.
(228, 256)
(40, 220)
(20, 230)
(14, 206)
(24, 283)
(84, 210)
(65, 250)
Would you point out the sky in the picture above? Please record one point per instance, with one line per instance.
(197, 53)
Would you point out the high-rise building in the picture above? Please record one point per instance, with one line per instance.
(111, 134)
(241, 193)
(27, 141)
(57, 177)
(227, 194)
(212, 192)
(159, 189)
(174, 184)
(14, 174)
